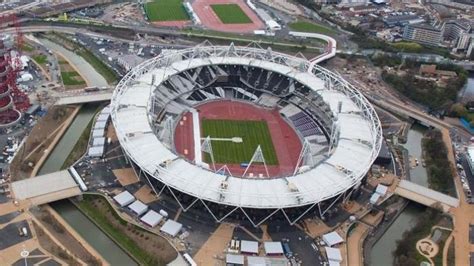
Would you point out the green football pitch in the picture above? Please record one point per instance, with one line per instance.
(253, 133)
(166, 10)
(230, 14)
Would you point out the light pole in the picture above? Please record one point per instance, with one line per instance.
(24, 254)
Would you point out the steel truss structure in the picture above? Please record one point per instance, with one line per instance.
(354, 127)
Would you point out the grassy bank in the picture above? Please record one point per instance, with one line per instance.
(305, 26)
(139, 243)
(439, 168)
(406, 253)
(109, 75)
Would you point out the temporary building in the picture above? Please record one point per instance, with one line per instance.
(332, 239)
(98, 141)
(381, 190)
(100, 125)
(97, 133)
(103, 117)
(138, 207)
(249, 247)
(124, 198)
(171, 228)
(256, 261)
(151, 218)
(96, 151)
(273, 248)
(333, 254)
(374, 198)
(232, 259)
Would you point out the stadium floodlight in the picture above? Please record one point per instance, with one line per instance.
(306, 156)
(206, 147)
(257, 158)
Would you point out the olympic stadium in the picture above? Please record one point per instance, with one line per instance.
(245, 132)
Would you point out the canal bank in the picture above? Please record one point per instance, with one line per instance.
(107, 248)
(382, 242)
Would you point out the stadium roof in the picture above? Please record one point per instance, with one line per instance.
(357, 147)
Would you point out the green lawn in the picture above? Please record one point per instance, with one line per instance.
(310, 27)
(166, 10)
(40, 59)
(230, 14)
(253, 133)
(408, 46)
(71, 78)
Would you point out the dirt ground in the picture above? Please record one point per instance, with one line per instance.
(61, 234)
(125, 176)
(48, 244)
(151, 243)
(215, 245)
(38, 140)
(66, 67)
(145, 194)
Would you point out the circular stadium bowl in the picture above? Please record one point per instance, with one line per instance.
(149, 101)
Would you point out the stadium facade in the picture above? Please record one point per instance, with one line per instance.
(339, 129)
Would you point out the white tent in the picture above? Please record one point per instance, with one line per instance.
(124, 198)
(250, 247)
(273, 248)
(234, 259)
(333, 254)
(138, 207)
(171, 227)
(96, 151)
(381, 190)
(151, 218)
(332, 239)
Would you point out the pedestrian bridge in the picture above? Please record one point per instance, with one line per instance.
(425, 196)
(49, 187)
(84, 98)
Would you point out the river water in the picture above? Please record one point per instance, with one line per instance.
(381, 253)
(83, 226)
(468, 90)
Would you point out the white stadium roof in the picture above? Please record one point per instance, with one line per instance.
(358, 145)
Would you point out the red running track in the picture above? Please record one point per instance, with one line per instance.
(285, 140)
(210, 20)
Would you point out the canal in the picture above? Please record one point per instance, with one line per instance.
(76, 219)
(382, 252)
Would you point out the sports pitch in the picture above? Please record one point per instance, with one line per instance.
(166, 10)
(230, 14)
(253, 133)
